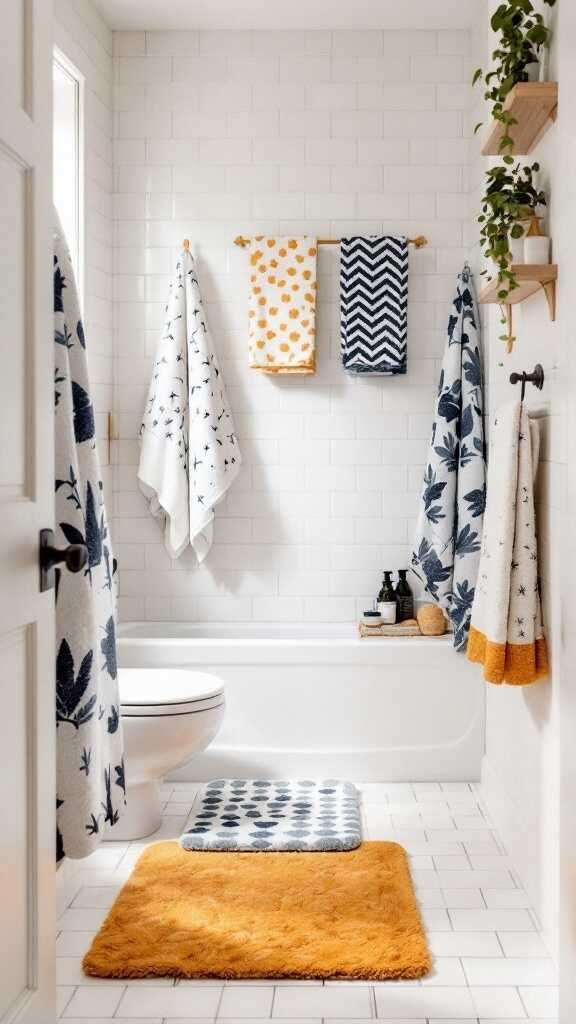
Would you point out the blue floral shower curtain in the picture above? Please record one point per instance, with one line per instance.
(446, 550)
(90, 764)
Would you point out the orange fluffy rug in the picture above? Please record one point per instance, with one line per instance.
(264, 915)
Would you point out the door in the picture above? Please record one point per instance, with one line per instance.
(27, 730)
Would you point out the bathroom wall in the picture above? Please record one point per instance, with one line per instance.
(565, 158)
(520, 781)
(221, 133)
(86, 40)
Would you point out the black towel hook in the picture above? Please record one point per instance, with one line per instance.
(536, 378)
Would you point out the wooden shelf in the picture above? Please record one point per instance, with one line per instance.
(533, 104)
(531, 278)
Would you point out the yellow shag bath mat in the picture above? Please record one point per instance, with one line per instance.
(264, 915)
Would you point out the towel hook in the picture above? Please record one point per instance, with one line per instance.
(536, 378)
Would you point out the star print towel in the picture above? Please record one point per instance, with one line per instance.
(189, 454)
(282, 314)
(506, 634)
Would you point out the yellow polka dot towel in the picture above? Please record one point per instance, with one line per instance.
(282, 311)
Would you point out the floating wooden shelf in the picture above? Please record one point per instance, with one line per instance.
(531, 277)
(533, 105)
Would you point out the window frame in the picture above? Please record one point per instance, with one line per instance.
(68, 68)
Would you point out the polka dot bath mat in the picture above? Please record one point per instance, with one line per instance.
(259, 814)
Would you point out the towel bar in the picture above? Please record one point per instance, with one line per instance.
(419, 242)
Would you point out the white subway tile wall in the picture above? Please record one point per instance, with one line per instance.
(82, 35)
(222, 133)
(522, 793)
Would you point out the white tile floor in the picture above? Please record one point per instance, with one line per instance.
(491, 965)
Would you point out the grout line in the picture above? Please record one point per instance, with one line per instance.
(373, 1007)
(220, 998)
(523, 1004)
(68, 1001)
(122, 994)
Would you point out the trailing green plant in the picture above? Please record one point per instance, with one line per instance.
(510, 197)
(523, 34)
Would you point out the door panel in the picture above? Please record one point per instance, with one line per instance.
(14, 414)
(27, 730)
(14, 783)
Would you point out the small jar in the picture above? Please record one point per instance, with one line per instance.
(387, 611)
(371, 618)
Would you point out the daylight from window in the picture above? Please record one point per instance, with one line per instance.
(67, 156)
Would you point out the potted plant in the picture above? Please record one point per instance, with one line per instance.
(510, 200)
(524, 36)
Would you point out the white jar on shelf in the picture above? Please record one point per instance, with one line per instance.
(536, 245)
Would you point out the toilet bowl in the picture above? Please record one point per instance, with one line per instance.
(168, 715)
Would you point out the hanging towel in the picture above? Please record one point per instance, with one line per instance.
(506, 634)
(90, 761)
(373, 304)
(282, 313)
(446, 549)
(189, 453)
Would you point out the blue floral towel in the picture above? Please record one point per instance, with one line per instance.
(90, 750)
(446, 551)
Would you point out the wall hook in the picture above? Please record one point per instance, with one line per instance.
(536, 378)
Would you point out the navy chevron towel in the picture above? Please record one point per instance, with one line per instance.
(373, 304)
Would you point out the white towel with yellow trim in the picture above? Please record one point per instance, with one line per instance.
(506, 634)
(282, 312)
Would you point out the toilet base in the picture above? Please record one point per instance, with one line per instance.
(142, 816)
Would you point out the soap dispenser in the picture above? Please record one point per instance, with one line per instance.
(387, 600)
(404, 598)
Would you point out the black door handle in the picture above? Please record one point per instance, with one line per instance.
(74, 556)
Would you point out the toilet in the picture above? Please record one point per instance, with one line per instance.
(168, 715)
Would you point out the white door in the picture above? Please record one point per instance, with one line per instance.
(27, 730)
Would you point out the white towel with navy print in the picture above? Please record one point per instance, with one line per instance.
(446, 551)
(373, 304)
(90, 761)
(189, 454)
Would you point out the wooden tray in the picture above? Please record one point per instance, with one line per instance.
(388, 629)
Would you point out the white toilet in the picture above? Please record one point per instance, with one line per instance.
(167, 715)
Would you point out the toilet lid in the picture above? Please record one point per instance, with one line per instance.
(172, 691)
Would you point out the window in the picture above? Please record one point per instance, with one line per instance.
(68, 140)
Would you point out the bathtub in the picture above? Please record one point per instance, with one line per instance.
(318, 701)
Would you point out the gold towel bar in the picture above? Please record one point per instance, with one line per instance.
(418, 242)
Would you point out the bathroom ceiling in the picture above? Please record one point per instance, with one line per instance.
(297, 14)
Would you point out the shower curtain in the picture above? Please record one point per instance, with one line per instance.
(446, 551)
(90, 763)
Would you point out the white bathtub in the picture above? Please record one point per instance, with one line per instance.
(319, 701)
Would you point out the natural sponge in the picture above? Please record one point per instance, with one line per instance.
(431, 620)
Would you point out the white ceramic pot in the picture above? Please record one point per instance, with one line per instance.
(517, 244)
(536, 249)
